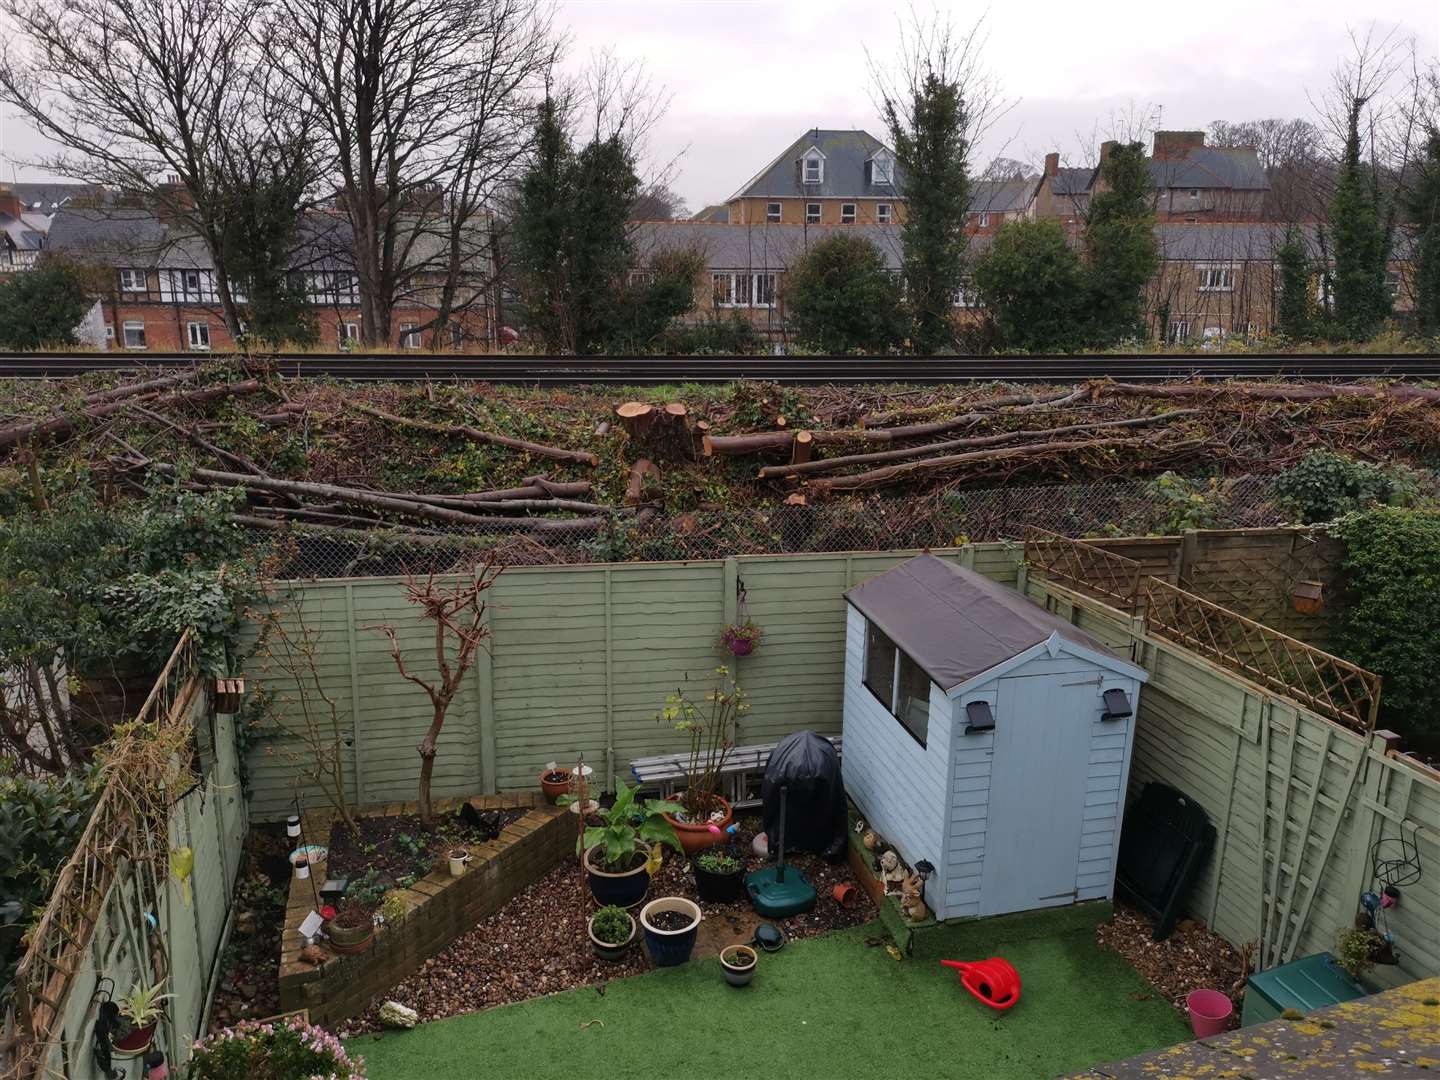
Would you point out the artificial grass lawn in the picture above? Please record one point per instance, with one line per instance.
(824, 1007)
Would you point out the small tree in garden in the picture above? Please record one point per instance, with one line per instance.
(458, 614)
(711, 726)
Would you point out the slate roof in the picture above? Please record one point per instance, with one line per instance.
(24, 233)
(1001, 196)
(757, 247)
(844, 175)
(1070, 180)
(957, 624)
(47, 196)
(1234, 167)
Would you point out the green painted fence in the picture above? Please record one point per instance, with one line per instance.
(1298, 801)
(580, 661)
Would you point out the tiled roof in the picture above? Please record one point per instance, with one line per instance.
(1001, 196)
(1234, 167)
(47, 196)
(846, 153)
(759, 247)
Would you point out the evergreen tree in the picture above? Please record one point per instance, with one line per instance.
(1033, 284)
(842, 298)
(1424, 208)
(932, 147)
(603, 187)
(1295, 314)
(541, 234)
(41, 308)
(1362, 227)
(1120, 250)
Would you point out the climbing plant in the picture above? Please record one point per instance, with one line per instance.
(1324, 486)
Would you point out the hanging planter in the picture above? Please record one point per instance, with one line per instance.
(140, 1009)
(1308, 597)
(741, 639)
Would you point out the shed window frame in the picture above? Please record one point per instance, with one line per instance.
(906, 694)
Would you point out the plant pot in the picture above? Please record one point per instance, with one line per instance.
(555, 788)
(592, 806)
(737, 963)
(1210, 1012)
(350, 939)
(670, 948)
(845, 895)
(457, 858)
(604, 949)
(742, 648)
(718, 888)
(624, 888)
(136, 1041)
(695, 838)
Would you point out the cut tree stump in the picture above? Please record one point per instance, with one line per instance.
(635, 489)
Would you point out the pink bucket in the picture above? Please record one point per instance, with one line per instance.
(1210, 1012)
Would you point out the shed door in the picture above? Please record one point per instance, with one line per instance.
(1037, 791)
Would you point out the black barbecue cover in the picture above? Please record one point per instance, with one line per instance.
(806, 765)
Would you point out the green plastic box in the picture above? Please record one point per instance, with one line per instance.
(1311, 982)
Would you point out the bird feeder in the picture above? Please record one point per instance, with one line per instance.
(1308, 597)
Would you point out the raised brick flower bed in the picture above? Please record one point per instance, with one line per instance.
(441, 907)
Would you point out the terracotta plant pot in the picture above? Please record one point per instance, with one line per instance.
(350, 939)
(556, 787)
(136, 1041)
(695, 838)
(737, 963)
(670, 948)
(606, 950)
(845, 895)
(625, 888)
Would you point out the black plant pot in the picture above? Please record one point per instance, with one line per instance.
(719, 888)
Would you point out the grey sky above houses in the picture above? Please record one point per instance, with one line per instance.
(746, 77)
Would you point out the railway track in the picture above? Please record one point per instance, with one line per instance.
(802, 370)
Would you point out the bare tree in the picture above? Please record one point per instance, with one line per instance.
(155, 98)
(658, 203)
(424, 110)
(458, 612)
(1003, 168)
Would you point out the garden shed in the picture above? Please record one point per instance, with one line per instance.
(987, 736)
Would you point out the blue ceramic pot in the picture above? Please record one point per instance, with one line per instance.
(670, 948)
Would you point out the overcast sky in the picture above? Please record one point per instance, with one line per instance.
(747, 77)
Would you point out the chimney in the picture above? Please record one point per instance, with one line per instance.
(10, 203)
(1107, 148)
(1052, 164)
(1176, 144)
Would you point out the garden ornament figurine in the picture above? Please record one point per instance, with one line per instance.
(912, 899)
(892, 874)
(994, 982)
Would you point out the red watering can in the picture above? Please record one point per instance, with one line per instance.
(994, 981)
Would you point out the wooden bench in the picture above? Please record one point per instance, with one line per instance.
(739, 779)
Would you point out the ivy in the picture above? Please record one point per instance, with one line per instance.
(1325, 486)
(1388, 620)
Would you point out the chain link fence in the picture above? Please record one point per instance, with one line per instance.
(1120, 508)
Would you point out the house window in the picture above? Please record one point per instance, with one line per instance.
(897, 682)
(1194, 193)
(882, 213)
(199, 336)
(765, 290)
(1217, 278)
(409, 336)
(813, 169)
(346, 332)
(982, 220)
(882, 169)
(192, 282)
(1392, 283)
(1179, 330)
(132, 281)
(744, 290)
(964, 296)
(812, 213)
(772, 211)
(134, 332)
(847, 213)
(457, 336)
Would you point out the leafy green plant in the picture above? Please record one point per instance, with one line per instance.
(718, 862)
(737, 636)
(1324, 486)
(612, 925)
(627, 822)
(366, 890)
(712, 728)
(1355, 950)
(141, 1003)
(842, 298)
(394, 907)
(1183, 503)
(287, 1050)
(1387, 620)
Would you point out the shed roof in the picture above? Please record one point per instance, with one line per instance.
(957, 624)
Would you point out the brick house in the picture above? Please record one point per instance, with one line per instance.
(825, 177)
(26, 210)
(162, 295)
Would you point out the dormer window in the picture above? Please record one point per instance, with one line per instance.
(882, 169)
(812, 168)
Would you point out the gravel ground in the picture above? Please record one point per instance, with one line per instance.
(1191, 958)
(537, 944)
(250, 985)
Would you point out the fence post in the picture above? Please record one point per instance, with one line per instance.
(609, 680)
(485, 699)
(1189, 556)
(358, 759)
(730, 591)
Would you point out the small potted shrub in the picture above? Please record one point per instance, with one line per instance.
(1358, 949)
(140, 1007)
(671, 924)
(741, 639)
(737, 963)
(616, 852)
(273, 1050)
(352, 928)
(719, 876)
(612, 929)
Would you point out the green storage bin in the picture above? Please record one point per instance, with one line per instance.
(1311, 982)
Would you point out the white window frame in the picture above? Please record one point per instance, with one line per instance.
(1179, 331)
(744, 289)
(848, 213)
(812, 218)
(134, 280)
(1216, 278)
(964, 296)
(109, 332)
(982, 219)
(192, 337)
(133, 324)
(896, 688)
(773, 211)
(1393, 283)
(816, 160)
(882, 169)
(410, 336)
(347, 331)
(884, 213)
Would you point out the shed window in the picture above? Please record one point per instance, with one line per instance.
(897, 682)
